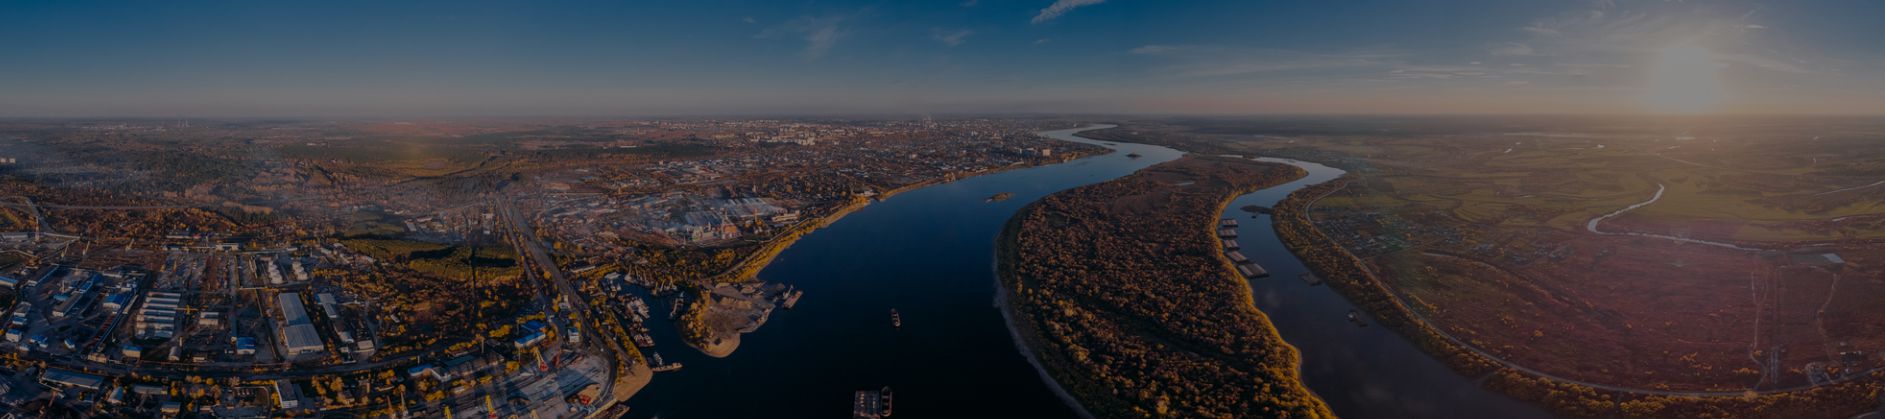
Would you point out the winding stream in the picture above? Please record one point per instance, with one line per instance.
(1592, 225)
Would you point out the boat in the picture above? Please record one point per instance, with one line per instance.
(896, 320)
(1354, 316)
(662, 366)
(792, 298)
(869, 404)
(885, 393)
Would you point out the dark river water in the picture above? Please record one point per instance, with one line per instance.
(929, 254)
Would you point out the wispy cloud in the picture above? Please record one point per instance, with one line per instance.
(1061, 7)
(1512, 49)
(1217, 61)
(820, 33)
(950, 37)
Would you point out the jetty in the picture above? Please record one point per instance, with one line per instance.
(1252, 270)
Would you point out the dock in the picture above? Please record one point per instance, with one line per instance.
(1227, 223)
(1252, 270)
(1228, 233)
(1238, 257)
(1231, 245)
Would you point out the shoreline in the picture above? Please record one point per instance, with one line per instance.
(1027, 339)
(749, 268)
(1022, 341)
(998, 265)
(1350, 278)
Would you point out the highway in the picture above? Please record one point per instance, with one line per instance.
(539, 261)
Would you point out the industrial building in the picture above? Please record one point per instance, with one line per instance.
(157, 318)
(298, 337)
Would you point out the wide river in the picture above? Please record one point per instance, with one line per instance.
(929, 254)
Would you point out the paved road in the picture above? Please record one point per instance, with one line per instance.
(525, 239)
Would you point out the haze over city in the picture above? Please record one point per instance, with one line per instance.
(601, 58)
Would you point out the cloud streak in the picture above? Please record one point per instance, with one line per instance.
(820, 33)
(950, 37)
(1061, 7)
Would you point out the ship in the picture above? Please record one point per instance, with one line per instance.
(663, 366)
(885, 393)
(641, 336)
(868, 404)
(896, 320)
(792, 298)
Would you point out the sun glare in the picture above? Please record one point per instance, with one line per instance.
(1684, 81)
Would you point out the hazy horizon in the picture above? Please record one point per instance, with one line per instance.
(1089, 57)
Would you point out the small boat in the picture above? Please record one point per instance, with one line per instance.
(792, 298)
(662, 366)
(1355, 317)
(896, 320)
(885, 393)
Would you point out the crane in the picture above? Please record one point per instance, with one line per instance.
(490, 411)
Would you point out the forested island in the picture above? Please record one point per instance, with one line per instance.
(1125, 299)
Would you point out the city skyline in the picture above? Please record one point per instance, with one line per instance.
(73, 59)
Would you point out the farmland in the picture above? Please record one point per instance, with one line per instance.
(1666, 257)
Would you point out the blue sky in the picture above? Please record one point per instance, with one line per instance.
(607, 58)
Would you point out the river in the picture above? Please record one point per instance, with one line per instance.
(928, 253)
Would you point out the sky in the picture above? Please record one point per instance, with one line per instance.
(713, 57)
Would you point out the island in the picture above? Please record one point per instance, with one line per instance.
(1122, 295)
(1001, 197)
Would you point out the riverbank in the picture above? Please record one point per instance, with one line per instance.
(1173, 331)
(1348, 276)
(724, 343)
(1024, 333)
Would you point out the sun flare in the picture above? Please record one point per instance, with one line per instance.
(1684, 80)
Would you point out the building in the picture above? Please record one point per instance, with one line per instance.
(245, 346)
(74, 379)
(329, 305)
(530, 339)
(286, 396)
(298, 337)
(157, 317)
